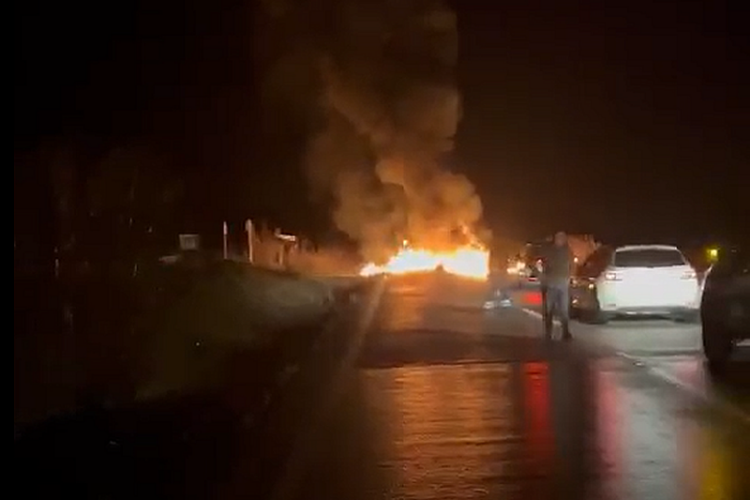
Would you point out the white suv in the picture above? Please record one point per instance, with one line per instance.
(636, 279)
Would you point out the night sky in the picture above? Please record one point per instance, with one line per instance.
(628, 120)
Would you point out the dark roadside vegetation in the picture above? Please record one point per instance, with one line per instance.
(164, 384)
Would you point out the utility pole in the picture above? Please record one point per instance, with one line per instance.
(225, 230)
(250, 235)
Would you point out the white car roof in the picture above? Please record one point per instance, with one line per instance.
(628, 248)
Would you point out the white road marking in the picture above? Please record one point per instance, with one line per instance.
(725, 405)
(662, 374)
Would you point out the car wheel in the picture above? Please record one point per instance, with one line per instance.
(717, 347)
(689, 317)
(593, 316)
(574, 311)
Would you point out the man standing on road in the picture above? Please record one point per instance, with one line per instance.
(555, 285)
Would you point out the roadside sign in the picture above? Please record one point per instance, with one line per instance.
(190, 242)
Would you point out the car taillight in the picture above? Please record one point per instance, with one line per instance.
(612, 276)
(689, 275)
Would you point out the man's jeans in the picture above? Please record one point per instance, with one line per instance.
(556, 304)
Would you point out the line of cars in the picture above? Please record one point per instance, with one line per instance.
(526, 268)
(658, 280)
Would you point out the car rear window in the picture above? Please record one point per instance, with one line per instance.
(533, 252)
(648, 257)
(596, 262)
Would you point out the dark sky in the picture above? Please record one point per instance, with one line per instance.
(628, 119)
(625, 119)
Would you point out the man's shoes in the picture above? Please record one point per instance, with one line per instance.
(567, 336)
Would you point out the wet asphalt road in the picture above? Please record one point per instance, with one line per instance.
(441, 399)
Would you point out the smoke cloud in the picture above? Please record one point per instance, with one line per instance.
(387, 109)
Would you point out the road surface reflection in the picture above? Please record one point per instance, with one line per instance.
(453, 413)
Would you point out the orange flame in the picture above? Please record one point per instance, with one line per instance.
(467, 261)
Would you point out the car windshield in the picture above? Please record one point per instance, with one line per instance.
(648, 257)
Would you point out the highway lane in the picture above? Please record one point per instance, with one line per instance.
(446, 399)
(670, 350)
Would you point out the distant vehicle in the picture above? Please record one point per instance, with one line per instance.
(530, 260)
(635, 280)
(725, 306)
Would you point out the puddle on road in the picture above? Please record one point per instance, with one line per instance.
(539, 429)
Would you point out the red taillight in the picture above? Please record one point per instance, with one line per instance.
(532, 298)
(612, 276)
